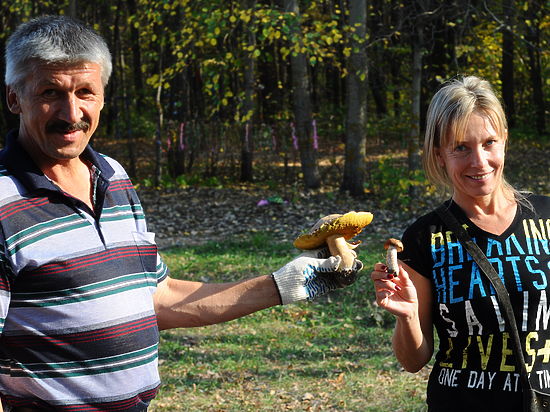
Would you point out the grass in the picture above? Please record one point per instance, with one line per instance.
(333, 354)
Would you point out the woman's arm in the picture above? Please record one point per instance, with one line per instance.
(408, 297)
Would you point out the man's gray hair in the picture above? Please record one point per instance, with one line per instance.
(54, 40)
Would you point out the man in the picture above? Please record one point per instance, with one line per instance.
(83, 291)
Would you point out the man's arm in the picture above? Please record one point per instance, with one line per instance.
(180, 303)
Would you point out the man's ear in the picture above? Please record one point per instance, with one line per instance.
(12, 100)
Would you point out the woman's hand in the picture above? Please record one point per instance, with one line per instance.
(396, 294)
(410, 301)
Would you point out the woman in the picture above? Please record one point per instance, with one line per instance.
(438, 283)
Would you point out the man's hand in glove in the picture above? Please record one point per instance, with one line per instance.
(312, 274)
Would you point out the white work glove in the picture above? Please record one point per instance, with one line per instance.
(312, 274)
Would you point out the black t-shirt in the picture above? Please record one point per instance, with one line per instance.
(474, 365)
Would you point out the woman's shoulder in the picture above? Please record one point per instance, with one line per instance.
(540, 203)
(417, 239)
(540, 199)
(426, 221)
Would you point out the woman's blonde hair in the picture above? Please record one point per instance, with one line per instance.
(448, 116)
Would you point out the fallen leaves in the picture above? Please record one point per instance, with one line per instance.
(198, 214)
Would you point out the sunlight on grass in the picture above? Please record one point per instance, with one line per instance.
(330, 355)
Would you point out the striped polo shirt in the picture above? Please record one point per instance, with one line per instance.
(79, 331)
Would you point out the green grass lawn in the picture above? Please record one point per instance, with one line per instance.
(333, 354)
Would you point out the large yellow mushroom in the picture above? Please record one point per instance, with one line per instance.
(335, 230)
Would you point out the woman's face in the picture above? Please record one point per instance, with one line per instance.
(475, 163)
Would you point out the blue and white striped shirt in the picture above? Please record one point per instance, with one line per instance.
(79, 330)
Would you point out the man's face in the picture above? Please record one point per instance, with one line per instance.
(59, 109)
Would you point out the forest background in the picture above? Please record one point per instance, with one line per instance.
(242, 122)
(211, 92)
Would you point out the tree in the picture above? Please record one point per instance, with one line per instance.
(507, 71)
(234, 69)
(136, 55)
(160, 117)
(71, 9)
(247, 144)
(357, 84)
(532, 21)
(420, 19)
(301, 99)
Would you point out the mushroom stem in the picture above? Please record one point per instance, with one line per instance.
(391, 260)
(339, 247)
(393, 246)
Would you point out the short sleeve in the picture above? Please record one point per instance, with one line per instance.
(6, 274)
(417, 245)
(162, 269)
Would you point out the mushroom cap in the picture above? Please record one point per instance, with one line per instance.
(347, 225)
(394, 242)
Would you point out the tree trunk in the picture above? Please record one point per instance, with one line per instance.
(533, 49)
(377, 22)
(377, 86)
(136, 57)
(121, 100)
(132, 169)
(507, 73)
(440, 43)
(111, 106)
(158, 137)
(160, 121)
(301, 100)
(414, 137)
(247, 143)
(357, 84)
(71, 9)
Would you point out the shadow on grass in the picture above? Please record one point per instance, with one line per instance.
(212, 359)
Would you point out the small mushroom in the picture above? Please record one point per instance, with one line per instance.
(393, 246)
(335, 230)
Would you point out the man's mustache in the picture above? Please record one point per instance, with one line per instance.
(60, 126)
